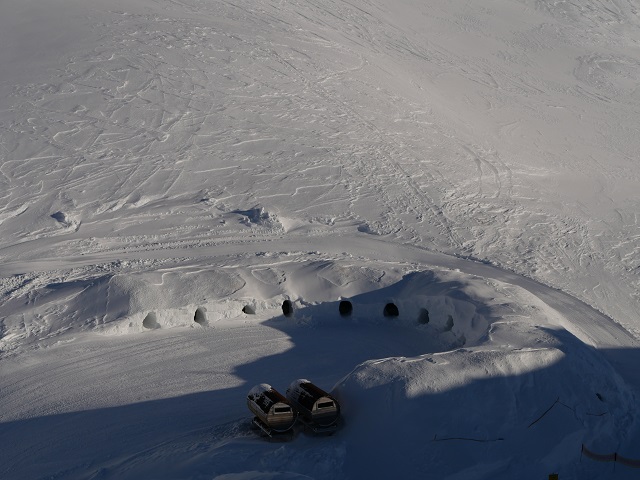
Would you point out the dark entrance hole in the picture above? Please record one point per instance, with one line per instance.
(345, 308)
(423, 316)
(287, 308)
(249, 310)
(449, 325)
(200, 317)
(151, 321)
(390, 310)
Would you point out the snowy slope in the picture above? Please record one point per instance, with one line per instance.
(164, 164)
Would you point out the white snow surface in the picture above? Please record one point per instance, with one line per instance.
(172, 171)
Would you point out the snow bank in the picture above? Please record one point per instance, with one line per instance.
(491, 385)
(488, 411)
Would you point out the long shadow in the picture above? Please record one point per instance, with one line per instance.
(524, 425)
(482, 425)
(328, 346)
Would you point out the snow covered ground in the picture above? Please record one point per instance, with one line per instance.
(165, 164)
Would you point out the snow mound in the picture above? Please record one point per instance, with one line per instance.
(516, 401)
(342, 276)
(270, 276)
(66, 220)
(119, 303)
(452, 411)
(460, 308)
(172, 298)
(258, 216)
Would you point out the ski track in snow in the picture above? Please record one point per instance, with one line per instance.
(183, 127)
(211, 155)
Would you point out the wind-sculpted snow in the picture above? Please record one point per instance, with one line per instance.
(504, 133)
(117, 303)
(477, 407)
(172, 172)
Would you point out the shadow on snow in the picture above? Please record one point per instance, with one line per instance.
(206, 434)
